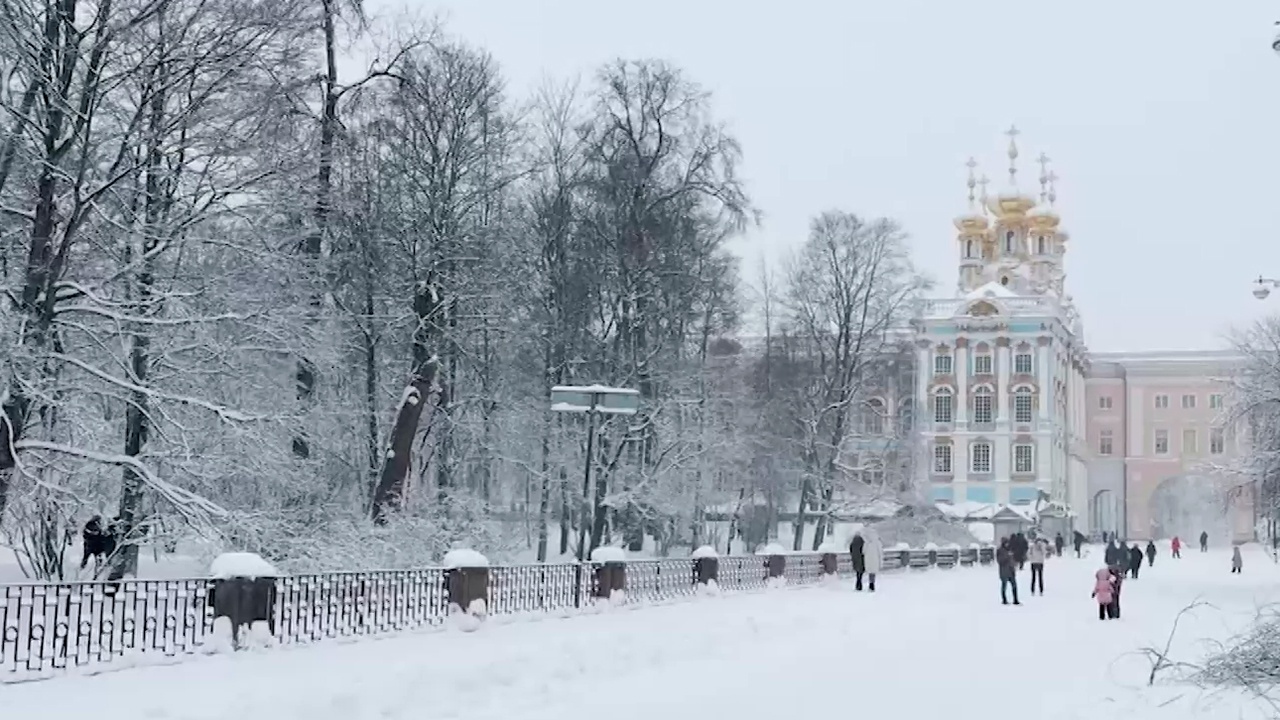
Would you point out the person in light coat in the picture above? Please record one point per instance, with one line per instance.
(1036, 555)
(868, 557)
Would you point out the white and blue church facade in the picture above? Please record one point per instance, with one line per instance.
(1001, 366)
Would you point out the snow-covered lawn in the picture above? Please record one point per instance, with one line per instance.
(927, 644)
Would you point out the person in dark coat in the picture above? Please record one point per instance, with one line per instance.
(1079, 542)
(1151, 553)
(1204, 541)
(859, 559)
(867, 551)
(1111, 556)
(99, 541)
(1058, 544)
(1019, 545)
(1118, 574)
(1135, 560)
(1007, 565)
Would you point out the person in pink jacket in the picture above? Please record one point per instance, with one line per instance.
(1104, 593)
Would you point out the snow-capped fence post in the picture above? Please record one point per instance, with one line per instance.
(775, 564)
(986, 555)
(611, 573)
(949, 556)
(467, 584)
(932, 550)
(706, 567)
(244, 602)
(829, 558)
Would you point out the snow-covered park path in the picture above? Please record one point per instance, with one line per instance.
(926, 645)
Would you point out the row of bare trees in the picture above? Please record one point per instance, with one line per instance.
(252, 298)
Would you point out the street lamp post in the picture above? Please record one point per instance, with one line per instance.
(594, 400)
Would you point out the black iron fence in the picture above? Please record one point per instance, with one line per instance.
(45, 628)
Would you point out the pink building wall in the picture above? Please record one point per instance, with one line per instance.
(1136, 417)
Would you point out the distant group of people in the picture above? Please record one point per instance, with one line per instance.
(1122, 560)
(1013, 555)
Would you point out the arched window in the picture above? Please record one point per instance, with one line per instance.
(1040, 245)
(1008, 241)
(1023, 404)
(943, 410)
(906, 417)
(982, 405)
(968, 248)
(873, 417)
(1004, 280)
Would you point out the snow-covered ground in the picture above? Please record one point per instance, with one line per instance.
(926, 644)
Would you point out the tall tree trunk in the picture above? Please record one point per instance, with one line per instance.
(389, 492)
(137, 421)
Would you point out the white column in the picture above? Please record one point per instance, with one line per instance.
(1003, 400)
(924, 370)
(1003, 457)
(960, 458)
(961, 368)
(1043, 380)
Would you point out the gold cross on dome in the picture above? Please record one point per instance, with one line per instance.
(1013, 133)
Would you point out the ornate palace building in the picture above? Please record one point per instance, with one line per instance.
(1015, 410)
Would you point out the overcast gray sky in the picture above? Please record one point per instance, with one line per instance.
(1162, 120)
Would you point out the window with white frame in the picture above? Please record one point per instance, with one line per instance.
(942, 408)
(1162, 442)
(1188, 402)
(873, 417)
(906, 416)
(968, 248)
(982, 364)
(1162, 402)
(942, 459)
(1104, 442)
(1189, 442)
(980, 457)
(1022, 363)
(1104, 402)
(1023, 458)
(1215, 401)
(1040, 245)
(1217, 441)
(982, 405)
(1022, 405)
(942, 365)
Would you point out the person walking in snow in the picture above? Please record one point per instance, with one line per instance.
(1008, 568)
(1204, 541)
(1037, 554)
(1104, 590)
(868, 556)
(1111, 556)
(1079, 542)
(1151, 553)
(1176, 546)
(1135, 560)
(1117, 582)
(1237, 562)
(1058, 544)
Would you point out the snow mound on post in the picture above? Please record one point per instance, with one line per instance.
(931, 546)
(772, 549)
(464, 558)
(706, 551)
(608, 554)
(241, 565)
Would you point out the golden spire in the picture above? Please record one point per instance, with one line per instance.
(1013, 133)
(1044, 177)
(972, 181)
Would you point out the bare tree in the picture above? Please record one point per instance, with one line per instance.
(848, 290)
